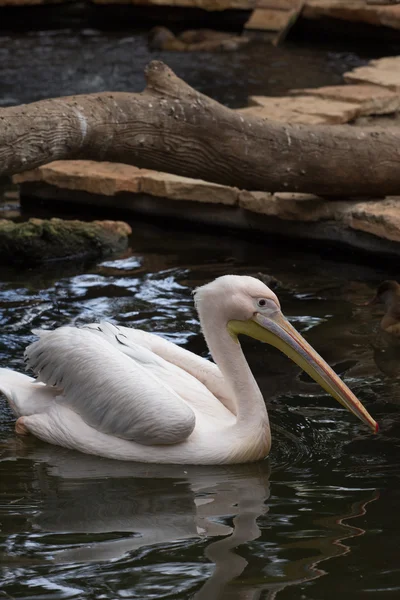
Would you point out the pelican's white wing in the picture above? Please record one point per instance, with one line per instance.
(196, 379)
(111, 392)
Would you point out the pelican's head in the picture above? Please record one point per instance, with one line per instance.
(249, 307)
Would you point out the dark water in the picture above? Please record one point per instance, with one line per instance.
(318, 519)
(36, 65)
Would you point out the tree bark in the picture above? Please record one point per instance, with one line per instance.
(171, 127)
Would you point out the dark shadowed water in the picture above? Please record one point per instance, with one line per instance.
(36, 65)
(318, 519)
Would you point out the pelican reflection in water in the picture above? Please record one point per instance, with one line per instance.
(123, 508)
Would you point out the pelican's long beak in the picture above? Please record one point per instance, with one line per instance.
(276, 330)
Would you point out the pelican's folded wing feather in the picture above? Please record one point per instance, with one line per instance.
(110, 391)
(203, 370)
(144, 350)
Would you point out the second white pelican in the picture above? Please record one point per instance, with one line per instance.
(131, 395)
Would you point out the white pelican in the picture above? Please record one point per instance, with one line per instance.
(131, 395)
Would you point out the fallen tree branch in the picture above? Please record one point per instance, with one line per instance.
(171, 127)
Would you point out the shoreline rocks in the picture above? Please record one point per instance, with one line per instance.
(40, 240)
(365, 223)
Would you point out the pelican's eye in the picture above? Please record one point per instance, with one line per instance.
(267, 306)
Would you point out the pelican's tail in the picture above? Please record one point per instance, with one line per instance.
(24, 395)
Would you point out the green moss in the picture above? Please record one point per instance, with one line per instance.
(39, 240)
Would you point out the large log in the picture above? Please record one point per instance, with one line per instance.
(171, 127)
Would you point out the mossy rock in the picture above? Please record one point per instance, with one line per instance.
(39, 240)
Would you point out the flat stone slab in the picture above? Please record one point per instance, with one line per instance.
(372, 99)
(39, 240)
(384, 72)
(284, 116)
(298, 109)
(275, 15)
(204, 4)
(354, 10)
(285, 205)
(110, 179)
(104, 182)
(267, 19)
(380, 218)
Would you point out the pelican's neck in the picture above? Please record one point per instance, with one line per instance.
(228, 355)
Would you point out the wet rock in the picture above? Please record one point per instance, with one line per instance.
(40, 240)
(356, 11)
(175, 187)
(94, 177)
(275, 15)
(196, 40)
(372, 99)
(384, 72)
(266, 19)
(300, 109)
(129, 188)
(380, 218)
(287, 206)
(111, 179)
(274, 112)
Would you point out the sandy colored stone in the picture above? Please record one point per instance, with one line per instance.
(266, 19)
(384, 72)
(287, 206)
(109, 179)
(380, 218)
(377, 217)
(372, 99)
(276, 114)
(88, 176)
(259, 202)
(386, 63)
(175, 187)
(355, 10)
(285, 108)
(210, 5)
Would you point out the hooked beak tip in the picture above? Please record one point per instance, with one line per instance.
(307, 358)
